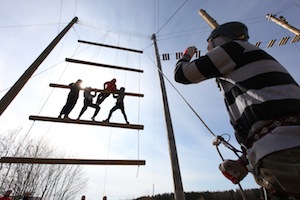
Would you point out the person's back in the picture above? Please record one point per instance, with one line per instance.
(120, 96)
(263, 102)
(253, 85)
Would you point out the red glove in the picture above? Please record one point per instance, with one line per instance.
(233, 170)
(189, 52)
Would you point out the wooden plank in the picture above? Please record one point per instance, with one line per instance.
(110, 46)
(86, 122)
(102, 65)
(94, 89)
(60, 161)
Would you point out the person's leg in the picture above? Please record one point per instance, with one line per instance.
(96, 111)
(124, 114)
(280, 172)
(84, 108)
(110, 113)
(62, 112)
(69, 107)
(98, 98)
(101, 98)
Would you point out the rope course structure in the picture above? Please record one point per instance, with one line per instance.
(34, 160)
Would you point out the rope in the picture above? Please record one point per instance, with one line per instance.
(139, 106)
(188, 104)
(75, 9)
(284, 7)
(217, 142)
(60, 12)
(105, 176)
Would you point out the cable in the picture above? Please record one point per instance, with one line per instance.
(115, 29)
(171, 17)
(75, 7)
(285, 6)
(29, 25)
(60, 12)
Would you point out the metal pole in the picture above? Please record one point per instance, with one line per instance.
(179, 193)
(283, 23)
(16, 88)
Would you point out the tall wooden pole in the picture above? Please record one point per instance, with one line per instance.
(283, 23)
(209, 20)
(179, 193)
(16, 88)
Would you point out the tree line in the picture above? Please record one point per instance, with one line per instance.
(251, 194)
(49, 182)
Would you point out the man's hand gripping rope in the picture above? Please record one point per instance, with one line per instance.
(233, 170)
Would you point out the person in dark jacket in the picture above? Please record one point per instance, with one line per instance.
(88, 102)
(72, 99)
(119, 104)
(263, 102)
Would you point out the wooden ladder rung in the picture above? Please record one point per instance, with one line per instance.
(102, 65)
(60, 161)
(94, 89)
(110, 46)
(86, 122)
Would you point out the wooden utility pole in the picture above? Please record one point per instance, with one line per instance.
(179, 193)
(282, 22)
(16, 88)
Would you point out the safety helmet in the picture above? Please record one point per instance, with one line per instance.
(232, 30)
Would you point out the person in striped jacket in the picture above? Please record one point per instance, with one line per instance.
(263, 102)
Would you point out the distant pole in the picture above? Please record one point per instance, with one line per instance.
(16, 88)
(282, 22)
(179, 193)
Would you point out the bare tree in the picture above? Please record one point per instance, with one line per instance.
(44, 181)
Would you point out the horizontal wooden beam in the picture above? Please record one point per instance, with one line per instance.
(102, 65)
(60, 161)
(94, 89)
(86, 122)
(110, 46)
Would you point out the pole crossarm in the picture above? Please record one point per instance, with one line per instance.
(95, 90)
(102, 65)
(63, 161)
(86, 122)
(110, 46)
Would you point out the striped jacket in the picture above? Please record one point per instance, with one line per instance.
(256, 88)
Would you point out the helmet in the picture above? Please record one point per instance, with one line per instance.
(232, 30)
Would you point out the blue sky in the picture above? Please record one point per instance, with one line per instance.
(27, 27)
